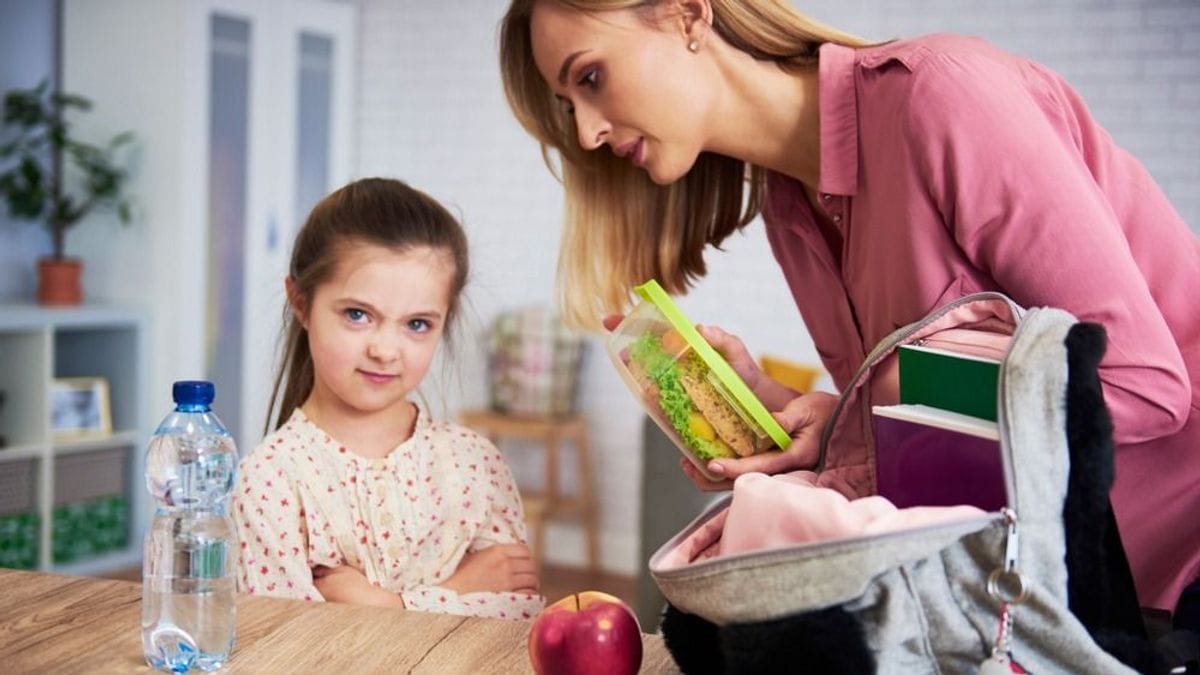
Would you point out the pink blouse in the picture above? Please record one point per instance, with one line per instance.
(405, 520)
(951, 167)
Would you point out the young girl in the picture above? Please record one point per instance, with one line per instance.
(892, 178)
(357, 495)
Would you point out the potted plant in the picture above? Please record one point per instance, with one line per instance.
(52, 177)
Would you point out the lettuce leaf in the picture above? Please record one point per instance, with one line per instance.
(665, 372)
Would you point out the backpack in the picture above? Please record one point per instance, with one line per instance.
(958, 597)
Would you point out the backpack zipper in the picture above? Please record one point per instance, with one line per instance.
(889, 343)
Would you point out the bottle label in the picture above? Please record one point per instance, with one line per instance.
(208, 560)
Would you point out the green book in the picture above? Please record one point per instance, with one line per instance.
(949, 380)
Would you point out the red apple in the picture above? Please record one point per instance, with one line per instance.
(585, 633)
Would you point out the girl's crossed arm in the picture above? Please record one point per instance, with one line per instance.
(500, 568)
(347, 584)
(273, 553)
(499, 559)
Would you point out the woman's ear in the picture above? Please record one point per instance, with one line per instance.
(694, 20)
(296, 302)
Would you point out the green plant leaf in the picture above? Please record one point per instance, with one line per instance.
(23, 109)
(57, 135)
(125, 211)
(25, 200)
(31, 171)
(36, 130)
(64, 100)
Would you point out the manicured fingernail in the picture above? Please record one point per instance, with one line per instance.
(716, 467)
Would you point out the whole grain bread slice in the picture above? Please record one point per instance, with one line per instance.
(725, 421)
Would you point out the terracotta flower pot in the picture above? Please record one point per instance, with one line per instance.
(59, 281)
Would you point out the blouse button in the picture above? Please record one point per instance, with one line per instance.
(379, 464)
(386, 518)
(826, 197)
(837, 217)
(394, 551)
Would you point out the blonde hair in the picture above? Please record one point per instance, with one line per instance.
(621, 228)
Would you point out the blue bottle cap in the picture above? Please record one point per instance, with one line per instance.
(193, 392)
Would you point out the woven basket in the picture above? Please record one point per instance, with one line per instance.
(533, 364)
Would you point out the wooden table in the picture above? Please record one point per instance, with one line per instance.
(51, 623)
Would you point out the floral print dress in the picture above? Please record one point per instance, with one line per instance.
(405, 520)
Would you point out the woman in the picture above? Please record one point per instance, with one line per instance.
(892, 178)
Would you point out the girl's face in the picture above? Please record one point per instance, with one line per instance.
(631, 86)
(374, 325)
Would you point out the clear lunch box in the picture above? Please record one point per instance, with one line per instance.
(686, 387)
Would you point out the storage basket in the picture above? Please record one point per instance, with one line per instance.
(533, 364)
(18, 514)
(91, 510)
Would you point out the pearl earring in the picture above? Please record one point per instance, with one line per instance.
(694, 46)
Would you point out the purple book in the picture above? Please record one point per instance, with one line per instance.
(930, 457)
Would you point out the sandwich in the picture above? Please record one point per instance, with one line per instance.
(677, 381)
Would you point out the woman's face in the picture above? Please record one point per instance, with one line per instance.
(630, 85)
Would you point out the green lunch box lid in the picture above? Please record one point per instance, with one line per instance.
(652, 292)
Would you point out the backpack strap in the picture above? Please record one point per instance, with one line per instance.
(1100, 590)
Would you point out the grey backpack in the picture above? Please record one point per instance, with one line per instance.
(953, 598)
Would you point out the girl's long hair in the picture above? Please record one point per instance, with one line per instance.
(621, 228)
(378, 211)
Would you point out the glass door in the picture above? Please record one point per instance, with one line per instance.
(280, 101)
(228, 148)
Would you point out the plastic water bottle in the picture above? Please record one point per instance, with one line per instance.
(188, 582)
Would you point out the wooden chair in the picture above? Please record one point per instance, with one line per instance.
(800, 377)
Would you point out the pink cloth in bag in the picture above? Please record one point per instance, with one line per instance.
(787, 509)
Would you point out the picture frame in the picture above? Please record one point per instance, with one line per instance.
(79, 408)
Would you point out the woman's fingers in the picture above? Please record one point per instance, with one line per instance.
(766, 462)
(807, 415)
(702, 482)
(726, 343)
(804, 418)
(731, 347)
(611, 321)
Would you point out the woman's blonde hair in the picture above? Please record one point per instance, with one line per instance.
(621, 228)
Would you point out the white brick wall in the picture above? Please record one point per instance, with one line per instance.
(432, 112)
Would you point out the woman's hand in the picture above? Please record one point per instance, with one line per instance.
(773, 395)
(612, 321)
(349, 585)
(804, 418)
(500, 568)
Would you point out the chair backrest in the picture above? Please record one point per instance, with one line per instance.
(798, 376)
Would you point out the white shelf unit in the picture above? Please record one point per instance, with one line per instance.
(39, 473)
